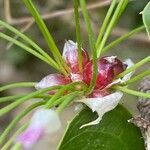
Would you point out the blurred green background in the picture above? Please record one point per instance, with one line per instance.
(16, 65)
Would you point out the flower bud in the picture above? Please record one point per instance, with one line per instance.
(43, 121)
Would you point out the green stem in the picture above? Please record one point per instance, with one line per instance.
(16, 120)
(10, 98)
(137, 78)
(28, 49)
(55, 97)
(17, 85)
(60, 100)
(105, 22)
(69, 87)
(68, 100)
(49, 39)
(92, 43)
(132, 92)
(14, 97)
(10, 141)
(139, 64)
(122, 4)
(29, 41)
(60, 93)
(78, 33)
(25, 98)
(122, 38)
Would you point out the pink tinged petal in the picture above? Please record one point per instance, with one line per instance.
(127, 77)
(70, 55)
(76, 77)
(99, 93)
(30, 137)
(105, 74)
(52, 80)
(117, 64)
(101, 105)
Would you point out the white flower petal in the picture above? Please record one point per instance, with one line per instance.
(101, 105)
(111, 59)
(129, 63)
(47, 119)
(69, 46)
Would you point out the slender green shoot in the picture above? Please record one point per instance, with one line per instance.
(69, 87)
(92, 43)
(28, 49)
(121, 6)
(139, 64)
(105, 22)
(68, 100)
(28, 40)
(15, 135)
(17, 85)
(21, 100)
(132, 92)
(14, 97)
(78, 33)
(49, 39)
(122, 38)
(10, 98)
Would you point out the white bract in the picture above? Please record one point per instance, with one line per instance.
(101, 105)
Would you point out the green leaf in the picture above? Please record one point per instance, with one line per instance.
(146, 18)
(113, 133)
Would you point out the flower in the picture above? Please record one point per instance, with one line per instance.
(101, 99)
(108, 68)
(43, 121)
